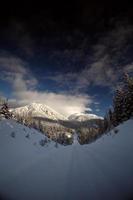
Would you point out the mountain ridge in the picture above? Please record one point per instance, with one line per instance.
(41, 110)
(83, 117)
(38, 110)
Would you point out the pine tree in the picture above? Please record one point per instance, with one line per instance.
(4, 111)
(118, 107)
(128, 97)
(122, 102)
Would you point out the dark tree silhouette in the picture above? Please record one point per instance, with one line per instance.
(4, 110)
(122, 103)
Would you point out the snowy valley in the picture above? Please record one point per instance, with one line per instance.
(44, 155)
(56, 126)
(30, 170)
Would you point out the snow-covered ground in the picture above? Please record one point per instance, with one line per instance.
(100, 170)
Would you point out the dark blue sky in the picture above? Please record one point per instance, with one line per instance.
(70, 56)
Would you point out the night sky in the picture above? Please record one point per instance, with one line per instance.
(68, 55)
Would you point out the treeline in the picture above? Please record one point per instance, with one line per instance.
(53, 131)
(122, 108)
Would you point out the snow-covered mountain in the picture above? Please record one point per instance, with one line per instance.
(100, 170)
(83, 117)
(42, 110)
(38, 110)
(53, 124)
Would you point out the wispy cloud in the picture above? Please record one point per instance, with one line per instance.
(107, 62)
(14, 70)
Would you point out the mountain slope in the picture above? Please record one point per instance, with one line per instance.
(101, 170)
(38, 110)
(83, 117)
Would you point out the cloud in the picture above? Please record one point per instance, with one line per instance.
(12, 64)
(129, 68)
(110, 55)
(24, 86)
(105, 65)
(14, 70)
(97, 110)
(63, 103)
(99, 73)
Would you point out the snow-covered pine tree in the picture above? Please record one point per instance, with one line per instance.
(118, 107)
(105, 123)
(128, 97)
(4, 111)
(122, 102)
(110, 119)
